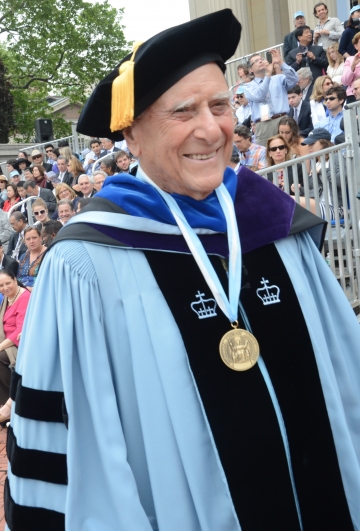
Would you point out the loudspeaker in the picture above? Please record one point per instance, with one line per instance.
(43, 130)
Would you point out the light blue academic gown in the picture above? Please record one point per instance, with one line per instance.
(140, 453)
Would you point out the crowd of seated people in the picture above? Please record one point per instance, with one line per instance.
(315, 61)
(282, 103)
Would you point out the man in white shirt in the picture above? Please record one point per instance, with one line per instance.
(86, 183)
(108, 145)
(96, 153)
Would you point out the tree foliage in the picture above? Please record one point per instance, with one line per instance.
(63, 47)
(6, 106)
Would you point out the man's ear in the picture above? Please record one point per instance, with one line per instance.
(131, 137)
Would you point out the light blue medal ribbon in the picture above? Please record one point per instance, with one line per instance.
(228, 305)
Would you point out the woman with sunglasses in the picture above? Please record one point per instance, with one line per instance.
(13, 197)
(318, 108)
(278, 151)
(40, 211)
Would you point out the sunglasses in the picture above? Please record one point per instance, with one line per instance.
(240, 95)
(48, 150)
(331, 98)
(39, 212)
(37, 157)
(281, 148)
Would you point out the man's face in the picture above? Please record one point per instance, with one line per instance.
(105, 168)
(294, 99)
(303, 83)
(37, 159)
(86, 187)
(299, 21)
(242, 143)
(333, 103)
(190, 129)
(306, 37)
(46, 238)
(106, 143)
(257, 65)
(62, 165)
(98, 181)
(17, 225)
(356, 89)
(28, 175)
(96, 148)
(22, 192)
(321, 12)
(65, 213)
(123, 163)
(31, 191)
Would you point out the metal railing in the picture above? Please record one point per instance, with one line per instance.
(231, 66)
(28, 202)
(77, 144)
(330, 184)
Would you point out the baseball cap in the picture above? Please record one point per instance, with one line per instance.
(240, 90)
(316, 134)
(299, 14)
(353, 9)
(13, 173)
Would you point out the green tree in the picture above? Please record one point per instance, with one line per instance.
(62, 47)
(6, 106)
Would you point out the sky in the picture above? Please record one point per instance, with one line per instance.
(144, 18)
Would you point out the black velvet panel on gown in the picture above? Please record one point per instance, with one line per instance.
(238, 404)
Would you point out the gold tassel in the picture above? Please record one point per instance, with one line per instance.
(122, 95)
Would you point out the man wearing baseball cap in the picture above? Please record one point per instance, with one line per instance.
(244, 111)
(290, 41)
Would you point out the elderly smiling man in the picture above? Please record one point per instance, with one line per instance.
(157, 401)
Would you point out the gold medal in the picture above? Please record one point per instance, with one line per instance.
(239, 350)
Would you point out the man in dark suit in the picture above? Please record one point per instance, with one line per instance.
(16, 245)
(290, 41)
(307, 54)
(65, 176)
(6, 262)
(109, 145)
(33, 189)
(300, 110)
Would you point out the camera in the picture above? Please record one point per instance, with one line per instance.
(304, 54)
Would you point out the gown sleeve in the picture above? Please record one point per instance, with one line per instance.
(68, 358)
(335, 335)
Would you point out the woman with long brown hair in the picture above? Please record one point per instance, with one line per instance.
(76, 168)
(289, 130)
(39, 176)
